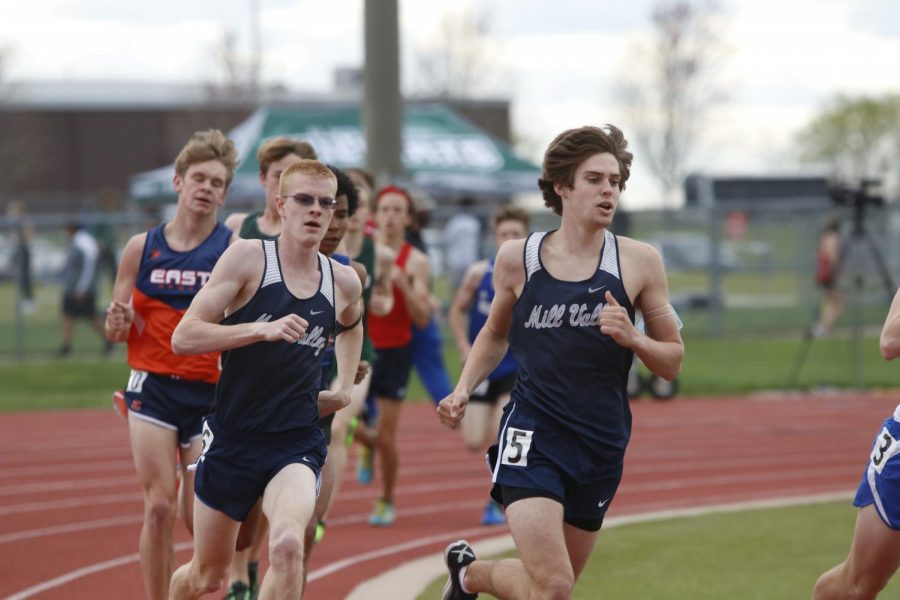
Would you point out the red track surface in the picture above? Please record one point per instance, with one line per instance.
(70, 506)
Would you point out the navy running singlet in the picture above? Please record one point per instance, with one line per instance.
(568, 370)
(273, 387)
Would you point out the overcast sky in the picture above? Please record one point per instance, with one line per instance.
(557, 60)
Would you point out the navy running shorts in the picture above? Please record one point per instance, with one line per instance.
(536, 457)
(880, 483)
(170, 402)
(390, 376)
(234, 469)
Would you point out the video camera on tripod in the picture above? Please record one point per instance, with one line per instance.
(859, 197)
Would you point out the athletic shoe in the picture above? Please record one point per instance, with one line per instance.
(351, 431)
(383, 515)
(320, 532)
(365, 465)
(493, 514)
(457, 555)
(119, 405)
(238, 591)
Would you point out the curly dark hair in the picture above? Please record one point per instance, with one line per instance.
(571, 148)
(346, 187)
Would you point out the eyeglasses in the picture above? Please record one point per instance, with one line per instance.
(307, 200)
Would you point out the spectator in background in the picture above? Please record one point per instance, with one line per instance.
(462, 241)
(24, 232)
(104, 231)
(80, 287)
(828, 262)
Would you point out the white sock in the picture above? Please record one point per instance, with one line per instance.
(462, 579)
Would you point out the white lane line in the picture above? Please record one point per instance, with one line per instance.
(84, 572)
(67, 485)
(409, 580)
(83, 467)
(351, 561)
(70, 503)
(70, 528)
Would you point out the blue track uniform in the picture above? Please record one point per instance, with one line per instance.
(266, 410)
(563, 434)
(502, 378)
(880, 483)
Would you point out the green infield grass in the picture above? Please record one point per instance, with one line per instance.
(771, 554)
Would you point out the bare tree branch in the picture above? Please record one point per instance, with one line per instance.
(238, 79)
(666, 91)
(457, 63)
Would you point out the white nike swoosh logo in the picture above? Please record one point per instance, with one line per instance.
(602, 502)
(305, 459)
(592, 290)
(316, 312)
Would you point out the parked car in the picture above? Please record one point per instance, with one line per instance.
(691, 251)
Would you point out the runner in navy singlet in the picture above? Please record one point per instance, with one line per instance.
(270, 307)
(274, 156)
(875, 551)
(564, 304)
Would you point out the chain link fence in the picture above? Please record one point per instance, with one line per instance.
(734, 273)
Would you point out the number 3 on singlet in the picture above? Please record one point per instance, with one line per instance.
(518, 443)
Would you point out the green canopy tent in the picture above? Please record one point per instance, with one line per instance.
(443, 154)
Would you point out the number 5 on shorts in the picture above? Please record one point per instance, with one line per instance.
(518, 443)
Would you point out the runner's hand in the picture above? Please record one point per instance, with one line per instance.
(331, 401)
(289, 328)
(615, 322)
(362, 369)
(452, 409)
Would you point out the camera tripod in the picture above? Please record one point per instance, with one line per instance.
(858, 240)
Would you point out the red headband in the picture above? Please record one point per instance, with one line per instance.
(393, 189)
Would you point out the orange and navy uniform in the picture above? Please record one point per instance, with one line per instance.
(166, 283)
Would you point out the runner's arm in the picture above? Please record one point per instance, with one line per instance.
(890, 333)
(237, 271)
(348, 343)
(462, 301)
(120, 314)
